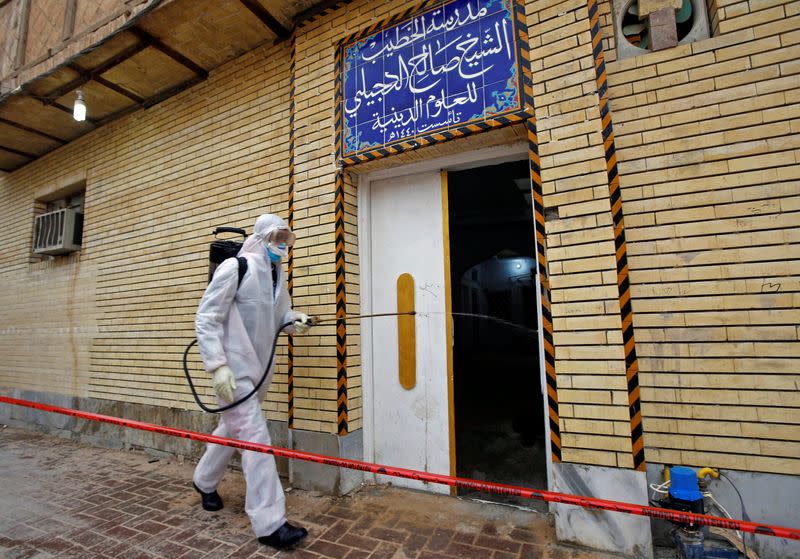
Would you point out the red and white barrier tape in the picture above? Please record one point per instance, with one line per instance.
(490, 487)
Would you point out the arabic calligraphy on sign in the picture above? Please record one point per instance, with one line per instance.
(449, 66)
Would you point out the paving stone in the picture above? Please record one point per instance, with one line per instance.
(497, 543)
(86, 538)
(322, 519)
(150, 527)
(72, 507)
(21, 552)
(432, 555)
(54, 545)
(385, 550)
(236, 539)
(363, 523)
(387, 534)
(298, 554)
(135, 553)
(359, 542)
(466, 551)
(414, 527)
(414, 544)
(522, 535)
(531, 551)
(22, 532)
(329, 549)
(336, 531)
(440, 539)
(169, 549)
(464, 537)
(245, 551)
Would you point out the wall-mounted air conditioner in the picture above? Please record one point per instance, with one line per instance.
(58, 232)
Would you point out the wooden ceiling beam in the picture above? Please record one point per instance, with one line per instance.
(158, 97)
(119, 89)
(106, 83)
(86, 76)
(154, 100)
(267, 18)
(156, 43)
(119, 114)
(18, 152)
(32, 130)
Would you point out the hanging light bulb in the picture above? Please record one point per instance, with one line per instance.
(79, 110)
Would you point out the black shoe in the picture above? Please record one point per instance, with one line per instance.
(284, 537)
(211, 501)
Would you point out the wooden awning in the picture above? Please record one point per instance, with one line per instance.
(165, 48)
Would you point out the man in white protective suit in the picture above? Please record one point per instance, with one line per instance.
(236, 325)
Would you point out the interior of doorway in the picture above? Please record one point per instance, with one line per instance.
(499, 423)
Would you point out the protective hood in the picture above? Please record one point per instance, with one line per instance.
(236, 322)
(265, 225)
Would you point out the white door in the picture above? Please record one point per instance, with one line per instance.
(411, 427)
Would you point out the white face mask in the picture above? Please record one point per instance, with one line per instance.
(277, 251)
(278, 243)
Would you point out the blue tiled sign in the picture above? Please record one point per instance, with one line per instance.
(449, 66)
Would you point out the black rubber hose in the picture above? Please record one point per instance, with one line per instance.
(246, 396)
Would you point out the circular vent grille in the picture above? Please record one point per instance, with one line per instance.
(637, 31)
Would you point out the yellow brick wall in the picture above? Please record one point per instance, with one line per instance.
(708, 149)
(590, 360)
(315, 264)
(713, 17)
(605, 8)
(595, 421)
(354, 398)
(52, 353)
(145, 310)
(733, 15)
(112, 321)
(706, 139)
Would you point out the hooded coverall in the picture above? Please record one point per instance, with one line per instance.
(236, 327)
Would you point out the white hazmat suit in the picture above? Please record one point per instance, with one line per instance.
(236, 327)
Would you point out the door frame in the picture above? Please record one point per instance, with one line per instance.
(458, 162)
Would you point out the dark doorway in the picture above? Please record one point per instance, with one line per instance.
(499, 418)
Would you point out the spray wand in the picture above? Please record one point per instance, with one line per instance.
(319, 319)
(331, 317)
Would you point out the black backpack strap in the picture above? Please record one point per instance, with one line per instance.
(242, 268)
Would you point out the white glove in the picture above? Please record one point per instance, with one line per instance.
(224, 384)
(302, 323)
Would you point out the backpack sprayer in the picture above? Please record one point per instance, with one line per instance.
(222, 249)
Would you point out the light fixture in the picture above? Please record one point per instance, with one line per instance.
(79, 110)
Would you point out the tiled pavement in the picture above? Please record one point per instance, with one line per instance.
(63, 499)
